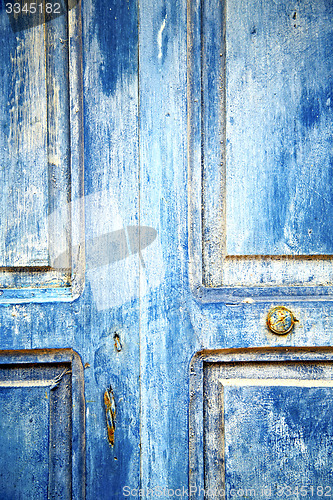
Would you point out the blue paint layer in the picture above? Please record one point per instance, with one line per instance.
(277, 437)
(278, 85)
(24, 443)
(116, 27)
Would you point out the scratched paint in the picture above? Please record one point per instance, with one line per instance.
(271, 434)
(110, 62)
(283, 448)
(41, 424)
(24, 431)
(40, 170)
(287, 193)
(31, 109)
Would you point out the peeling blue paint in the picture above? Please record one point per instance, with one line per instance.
(154, 220)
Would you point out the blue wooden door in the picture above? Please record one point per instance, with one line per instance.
(260, 205)
(166, 249)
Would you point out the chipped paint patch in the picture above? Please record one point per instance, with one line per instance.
(51, 384)
(14, 312)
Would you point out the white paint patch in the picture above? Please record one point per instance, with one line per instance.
(159, 37)
(248, 301)
(270, 382)
(26, 383)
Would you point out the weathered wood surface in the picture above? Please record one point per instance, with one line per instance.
(261, 142)
(279, 93)
(42, 422)
(138, 324)
(166, 334)
(41, 161)
(23, 146)
(261, 431)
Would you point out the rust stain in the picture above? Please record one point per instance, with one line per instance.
(110, 409)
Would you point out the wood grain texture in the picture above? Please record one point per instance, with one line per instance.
(24, 169)
(258, 421)
(42, 203)
(110, 303)
(278, 128)
(42, 416)
(234, 178)
(166, 333)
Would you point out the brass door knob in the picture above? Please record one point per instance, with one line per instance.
(280, 320)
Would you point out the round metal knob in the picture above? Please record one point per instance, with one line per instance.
(280, 320)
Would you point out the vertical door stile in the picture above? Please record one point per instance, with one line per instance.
(166, 334)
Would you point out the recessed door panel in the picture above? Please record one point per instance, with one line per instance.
(24, 443)
(42, 425)
(41, 167)
(266, 423)
(23, 147)
(278, 125)
(261, 128)
(277, 437)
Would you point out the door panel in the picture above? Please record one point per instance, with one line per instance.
(23, 146)
(43, 424)
(260, 138)
(278, 117)
(106, 320)
(265, 423)
(42, 234)
(26, 442)
(251, 200)
(38, 311)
